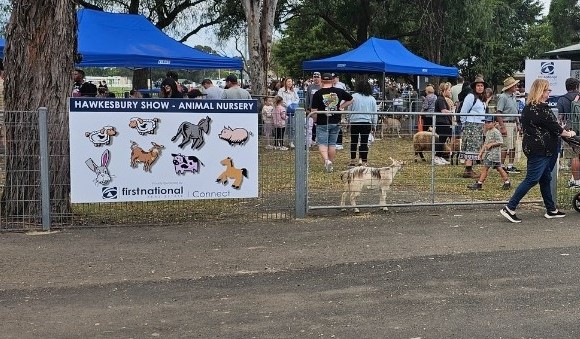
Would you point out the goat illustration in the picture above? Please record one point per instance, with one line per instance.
(138, 155)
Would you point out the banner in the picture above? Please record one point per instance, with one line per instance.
(555, 71)
(162, 149)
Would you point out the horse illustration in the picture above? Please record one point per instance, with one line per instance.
(193, 133)
(232, 173)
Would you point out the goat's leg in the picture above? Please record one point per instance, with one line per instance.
(383, 200)
(343, 199)
(353, 196)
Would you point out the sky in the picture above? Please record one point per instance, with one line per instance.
(546, 4)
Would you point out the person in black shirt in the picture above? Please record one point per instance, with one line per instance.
(328, 98)
(82, 88)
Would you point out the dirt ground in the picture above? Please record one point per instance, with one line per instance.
(407, 273)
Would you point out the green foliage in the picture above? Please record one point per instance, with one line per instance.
(564, 17)
(299, 44)
(489, 37)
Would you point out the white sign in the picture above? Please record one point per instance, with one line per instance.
(555, 71)
(162, 149)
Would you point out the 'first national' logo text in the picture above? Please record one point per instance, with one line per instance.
(112, 193)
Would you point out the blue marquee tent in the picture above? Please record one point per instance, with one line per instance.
(128, 40)
(380, 56)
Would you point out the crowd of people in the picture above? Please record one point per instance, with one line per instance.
(461, 110)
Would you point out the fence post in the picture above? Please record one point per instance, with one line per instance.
(300, 164)
(44, 168)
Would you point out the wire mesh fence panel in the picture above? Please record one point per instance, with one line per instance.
(420, 181)
(20, 186)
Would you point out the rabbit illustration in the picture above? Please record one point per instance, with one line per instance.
(102, 172)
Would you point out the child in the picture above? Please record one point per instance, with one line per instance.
(279, 119)
(490, 154)
(268, 122)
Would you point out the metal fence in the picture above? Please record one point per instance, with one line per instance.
(292, 183)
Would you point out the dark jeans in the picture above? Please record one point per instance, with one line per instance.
(427, 122)
(444, 132)
(279, 136)
(360, 131)
(539, 171)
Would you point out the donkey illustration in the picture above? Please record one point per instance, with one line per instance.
(194, 133)
(232, 173)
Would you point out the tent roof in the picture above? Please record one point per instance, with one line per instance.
(129, 40)
(568, 52)
(378, 56)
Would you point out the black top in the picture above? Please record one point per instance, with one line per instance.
(440, 105)
(541, 130)
(329, 99)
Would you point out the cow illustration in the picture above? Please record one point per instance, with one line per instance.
(186, 163)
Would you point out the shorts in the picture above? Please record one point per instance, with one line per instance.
(327, 134)
(491, 164)
(509, 140)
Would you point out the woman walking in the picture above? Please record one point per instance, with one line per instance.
(540, 144)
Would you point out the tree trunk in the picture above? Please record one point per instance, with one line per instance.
(260, 22)
(140, 77)
(39, 60)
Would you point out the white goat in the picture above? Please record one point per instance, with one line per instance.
(356, 178)
(144, 126)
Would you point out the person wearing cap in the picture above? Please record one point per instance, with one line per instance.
(540, 144)
(507, 103)
(233, 89)
(327, 99)
(310, 90)
(564, 106)
(211, 91)
(490, 154)
(472, 133)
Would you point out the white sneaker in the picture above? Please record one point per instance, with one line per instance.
(339, 147)
(328, 166)
(283, 148)
(292, 145)
(439, 161)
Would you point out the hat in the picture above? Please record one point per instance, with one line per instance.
(326, 76)
(488, 118)
(334, 75)
(509, 82)
(316, 74)
(478, 80)
(232, 78)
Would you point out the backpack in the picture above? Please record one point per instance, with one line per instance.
(575, 115)
(458, 108)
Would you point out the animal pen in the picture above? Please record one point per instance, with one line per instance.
(291, 184)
